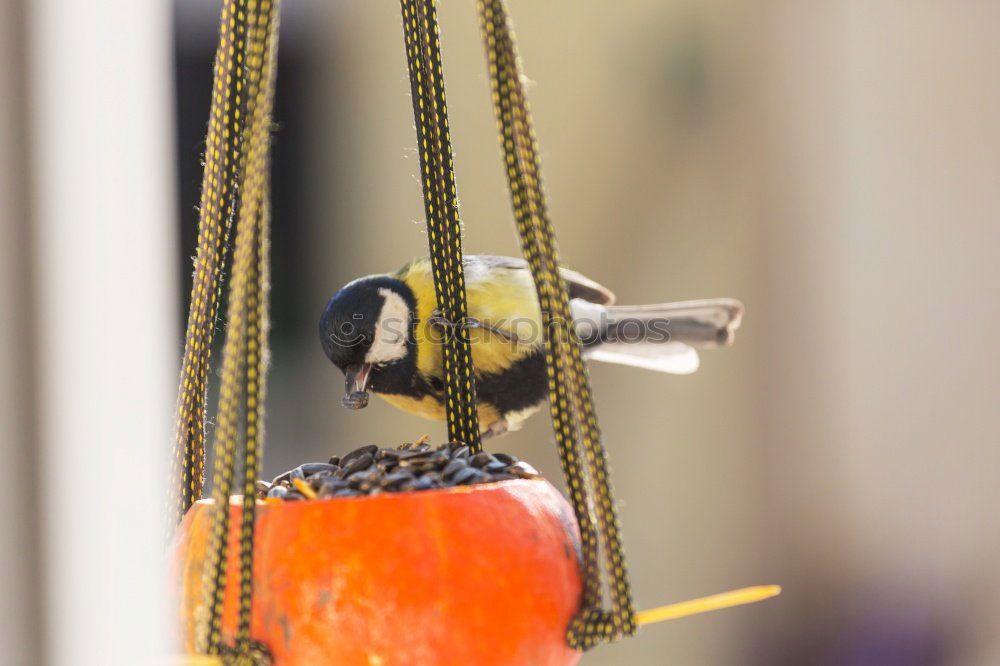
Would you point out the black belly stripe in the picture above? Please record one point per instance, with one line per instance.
(524, 384)
(520, 386)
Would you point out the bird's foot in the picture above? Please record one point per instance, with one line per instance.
(495, 429)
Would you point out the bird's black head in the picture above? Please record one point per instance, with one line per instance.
(367, 331)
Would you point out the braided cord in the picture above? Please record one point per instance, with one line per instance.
(444, 229)
(574, 418)
(218, 200)
(257, 309)
(244, 351)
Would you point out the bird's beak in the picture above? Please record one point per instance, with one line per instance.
(356, 386)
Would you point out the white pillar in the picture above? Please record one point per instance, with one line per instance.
(104, 257)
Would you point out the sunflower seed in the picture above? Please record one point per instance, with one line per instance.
(453, 466)
(277, 491)
(480, 459)
(355, 464)
(359, 452)
(464, 475)
(309, 469)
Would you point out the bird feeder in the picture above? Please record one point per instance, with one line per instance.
(483, 574)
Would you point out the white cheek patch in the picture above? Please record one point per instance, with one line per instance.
(390, 329)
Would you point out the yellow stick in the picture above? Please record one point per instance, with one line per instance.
(304, 488)
(746, 595)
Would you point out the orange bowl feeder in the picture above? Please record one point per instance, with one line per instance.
(485, 574)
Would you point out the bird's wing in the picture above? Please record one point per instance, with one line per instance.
(580, 286)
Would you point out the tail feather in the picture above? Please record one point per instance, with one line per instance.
(660, 337)
(705, 324)
(676, 358)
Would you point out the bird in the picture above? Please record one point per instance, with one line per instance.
(385, 333)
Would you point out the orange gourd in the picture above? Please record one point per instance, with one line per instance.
(480, 575)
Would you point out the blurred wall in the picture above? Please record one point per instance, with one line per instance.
(20, 610)
(833, 164)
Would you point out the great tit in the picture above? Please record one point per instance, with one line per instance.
(385, 334)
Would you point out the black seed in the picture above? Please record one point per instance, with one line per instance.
(319, 481)
(478, 477)
(422, 484)
(315, 468)
(330, 489)
(416, 454)
(453, 467)
(325, 474)
(485, 478)
(480, 459)
(358, 463)
(430, 466)
(370, 450)
(294, 495)
(277, 491)
(396, 478)
(465, 475)
(460, 452)
(334, 460)
(494, 466)
(358, 478)
(505, 458)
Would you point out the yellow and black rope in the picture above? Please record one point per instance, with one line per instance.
(218, 200)
(574, 419)
(444, 229)
(245, 350)
(257, 309)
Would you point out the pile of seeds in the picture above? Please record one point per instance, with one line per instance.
(370, 470)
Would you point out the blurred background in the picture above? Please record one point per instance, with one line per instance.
(833, 164)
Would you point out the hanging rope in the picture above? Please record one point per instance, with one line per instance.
(239, 140)
(574, 419)
(444, 229)
(218, 199)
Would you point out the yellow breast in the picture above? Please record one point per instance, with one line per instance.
(430, 408)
